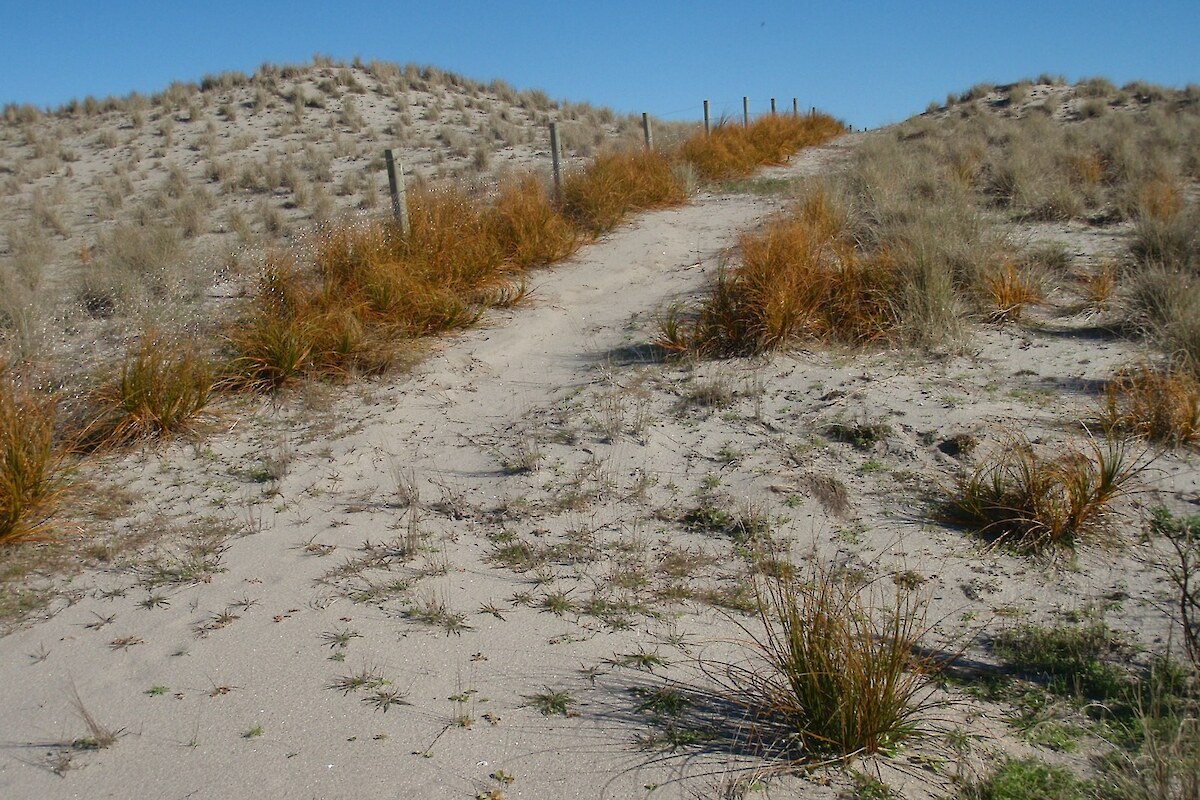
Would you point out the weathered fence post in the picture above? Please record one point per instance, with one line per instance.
(772, 106)
(646, 129)
(795, 108)
(395, 171)
(745, 112)
(554, 158)
(707, 126)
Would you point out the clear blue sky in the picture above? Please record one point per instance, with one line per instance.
(867, 62)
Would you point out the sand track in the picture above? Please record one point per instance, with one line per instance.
(226, 687)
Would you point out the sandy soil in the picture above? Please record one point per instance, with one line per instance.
(377, 592)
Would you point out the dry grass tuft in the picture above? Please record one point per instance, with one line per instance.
(1099, 287)
(99, 736)
(33, 475)
(1010, 288)
(733, 151)
(841, 675)
(162, 388)
(1162, 406)
(531, 231)
(1032, 502)
(800, 278)
(370, 289)
(615, 185)
(1165, 303)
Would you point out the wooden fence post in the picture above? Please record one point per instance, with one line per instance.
(554, 158)
(395, 171)
(707, 127)
(772, 106)
(646, 129)
(795, 108)
(745, 112)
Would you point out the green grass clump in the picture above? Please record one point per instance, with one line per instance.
(1073, 660)
(1030, 502)
(1027, 779)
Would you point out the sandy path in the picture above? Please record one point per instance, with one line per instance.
(222, 688)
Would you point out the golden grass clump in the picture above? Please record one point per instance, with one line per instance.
(370, 289)
(275, 345)
(1098, 287)
(531, 231)
(1009, 289)
(162, 388)
(33, 475)
(1160, 198)
(734, 151)
(615, 185)
(799, 278)
(842, 678)
(1032, 502)
(1162, 406)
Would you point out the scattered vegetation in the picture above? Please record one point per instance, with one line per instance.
(898, 251)
(1183, 572)
(1071, 660)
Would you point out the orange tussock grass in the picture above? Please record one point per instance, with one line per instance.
(799, 278)
(1028, 501)
(33, 475)
(275, 344)
(370, 290)
(838, 675)
(733, 151)
(530, 229)
(1149, 403)
(162, 388)
(615, 185)
(1009, 289)
(1090, 168)
(1099, 287)
(1160, 199)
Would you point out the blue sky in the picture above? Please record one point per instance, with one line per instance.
(867, 62)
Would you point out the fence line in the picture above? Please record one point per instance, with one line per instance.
(395, 167)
